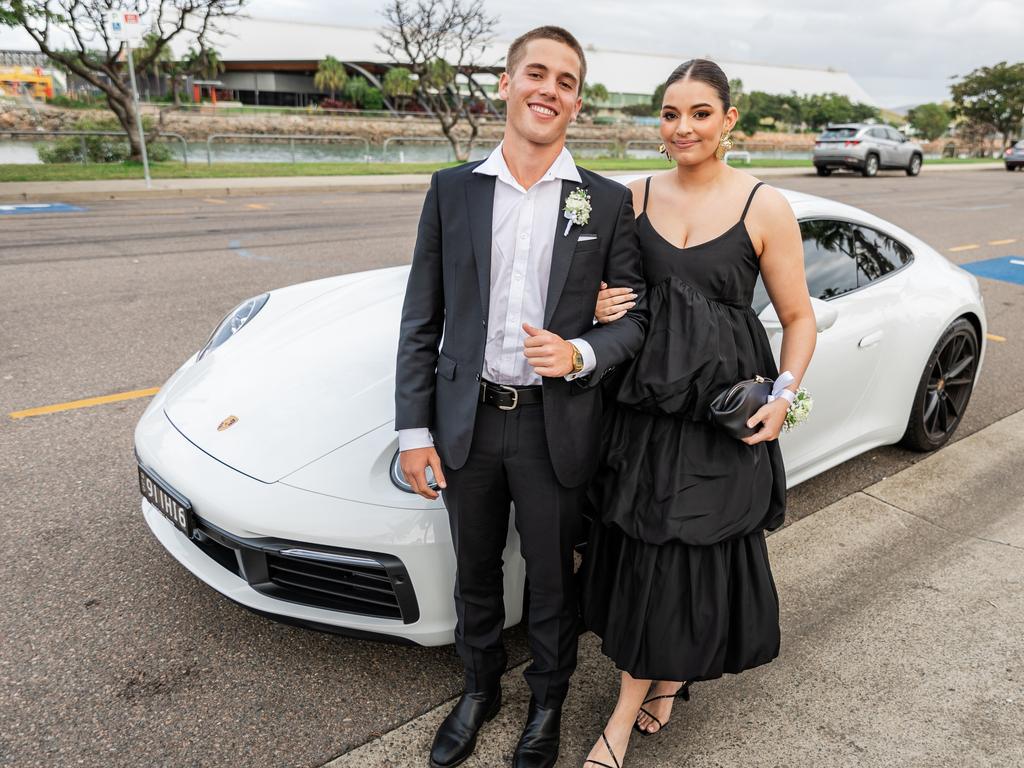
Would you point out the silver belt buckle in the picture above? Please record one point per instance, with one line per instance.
(515, 397)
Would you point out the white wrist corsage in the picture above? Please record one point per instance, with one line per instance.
(577, 209)
(799, 409)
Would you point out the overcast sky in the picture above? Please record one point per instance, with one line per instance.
(901, 51)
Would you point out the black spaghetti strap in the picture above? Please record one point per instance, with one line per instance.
(647, 192)
(749, 200)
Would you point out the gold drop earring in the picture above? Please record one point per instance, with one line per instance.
(724, 145)
(663, 150)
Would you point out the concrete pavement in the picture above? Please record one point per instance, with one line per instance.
(115, 189)
(902, 619)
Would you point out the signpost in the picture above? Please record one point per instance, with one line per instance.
(126, 27)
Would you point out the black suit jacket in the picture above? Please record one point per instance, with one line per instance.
(444, 318)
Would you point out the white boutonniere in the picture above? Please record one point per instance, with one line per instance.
(577, 209)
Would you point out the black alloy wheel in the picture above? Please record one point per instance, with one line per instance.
(915, 166)
(945, 388)
(823, 170)
(870, 166)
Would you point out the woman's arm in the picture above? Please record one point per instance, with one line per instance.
(613, 303)
(774, 228)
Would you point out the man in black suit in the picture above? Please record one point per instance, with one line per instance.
(498, 370)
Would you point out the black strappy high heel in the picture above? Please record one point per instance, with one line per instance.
(607, 746)
(683, 693)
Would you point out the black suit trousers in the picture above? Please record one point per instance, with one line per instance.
(508, 463)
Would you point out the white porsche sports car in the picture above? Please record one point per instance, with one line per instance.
(267, 462)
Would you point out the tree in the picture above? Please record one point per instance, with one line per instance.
(105, 69)
(398, 84)
(161, 61)
(992, 95)
(593, 96)
(930, 120)
(330, 76)
(362, 94)
(658, 98)
(439, 41)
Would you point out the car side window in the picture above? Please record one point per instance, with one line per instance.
(877, 133)
(894, 134)
(876, 253)
(828, 258)
(840, 257)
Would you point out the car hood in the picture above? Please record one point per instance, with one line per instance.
(301, 381)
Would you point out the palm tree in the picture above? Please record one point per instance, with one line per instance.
(398, 84)
(204, 64)
(330, 76)
(163, 62)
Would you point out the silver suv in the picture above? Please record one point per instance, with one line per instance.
(866, 148)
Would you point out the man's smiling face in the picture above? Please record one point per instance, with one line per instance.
(542, 94)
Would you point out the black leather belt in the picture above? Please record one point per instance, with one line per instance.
(509, 398)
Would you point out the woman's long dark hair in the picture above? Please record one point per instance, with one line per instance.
(704, 71)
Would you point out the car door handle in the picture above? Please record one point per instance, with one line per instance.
(871, 339)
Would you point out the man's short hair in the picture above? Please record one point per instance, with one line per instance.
(517, 50)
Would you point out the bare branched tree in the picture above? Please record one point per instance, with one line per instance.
(439, 41)
(98, 59)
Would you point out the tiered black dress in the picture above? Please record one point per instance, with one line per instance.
(676, 579)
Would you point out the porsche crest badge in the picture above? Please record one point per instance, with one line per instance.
(230, 421)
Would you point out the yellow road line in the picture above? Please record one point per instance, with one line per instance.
(1002, 242)
(87, 403)
(993, 337)
(256, 207)
(214, 200)
(970, 247)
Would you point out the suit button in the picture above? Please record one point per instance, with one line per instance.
(483, 323)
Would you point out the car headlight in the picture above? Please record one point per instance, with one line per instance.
(234, 322)
(399, 479)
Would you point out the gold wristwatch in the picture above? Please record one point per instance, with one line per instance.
(577, 359)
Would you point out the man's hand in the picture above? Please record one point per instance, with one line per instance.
(414, 465)
(547, 352)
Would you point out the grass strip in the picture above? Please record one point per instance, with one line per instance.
(177, 170)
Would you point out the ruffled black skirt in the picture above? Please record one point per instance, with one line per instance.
(676, 611)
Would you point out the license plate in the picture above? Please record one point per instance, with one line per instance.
(172, 505)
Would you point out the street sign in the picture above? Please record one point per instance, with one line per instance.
(125, 27)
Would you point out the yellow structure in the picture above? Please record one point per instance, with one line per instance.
(16, 80)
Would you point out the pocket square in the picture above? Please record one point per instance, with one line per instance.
(584, 238)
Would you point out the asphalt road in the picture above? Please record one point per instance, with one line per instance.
(110, 653)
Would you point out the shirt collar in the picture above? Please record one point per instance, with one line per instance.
(563, 168)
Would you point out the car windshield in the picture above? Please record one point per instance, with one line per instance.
(838, 133)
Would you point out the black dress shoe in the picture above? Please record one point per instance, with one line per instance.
(456, 738)
(538, 746)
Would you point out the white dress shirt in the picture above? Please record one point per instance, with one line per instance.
(523, 227)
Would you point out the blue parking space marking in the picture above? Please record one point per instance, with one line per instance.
(19, 208)
(1009, 269)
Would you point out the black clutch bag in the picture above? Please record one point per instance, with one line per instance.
(731, 409)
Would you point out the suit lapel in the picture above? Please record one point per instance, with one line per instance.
(480, 205)
(561, 254)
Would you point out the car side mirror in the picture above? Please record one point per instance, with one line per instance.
(825, 316)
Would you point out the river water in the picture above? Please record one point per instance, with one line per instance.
(23, 153)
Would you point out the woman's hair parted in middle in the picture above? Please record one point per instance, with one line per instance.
(704, 71)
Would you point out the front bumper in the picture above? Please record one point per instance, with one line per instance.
(254, 518)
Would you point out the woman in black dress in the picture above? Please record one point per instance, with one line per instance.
(676, 580)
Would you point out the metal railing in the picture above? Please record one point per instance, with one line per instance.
(119, 134)
(392, 140)
(290, 138)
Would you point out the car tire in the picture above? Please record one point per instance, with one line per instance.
(937, 411)
(915, 166)
(822, 170)
(870, 166)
